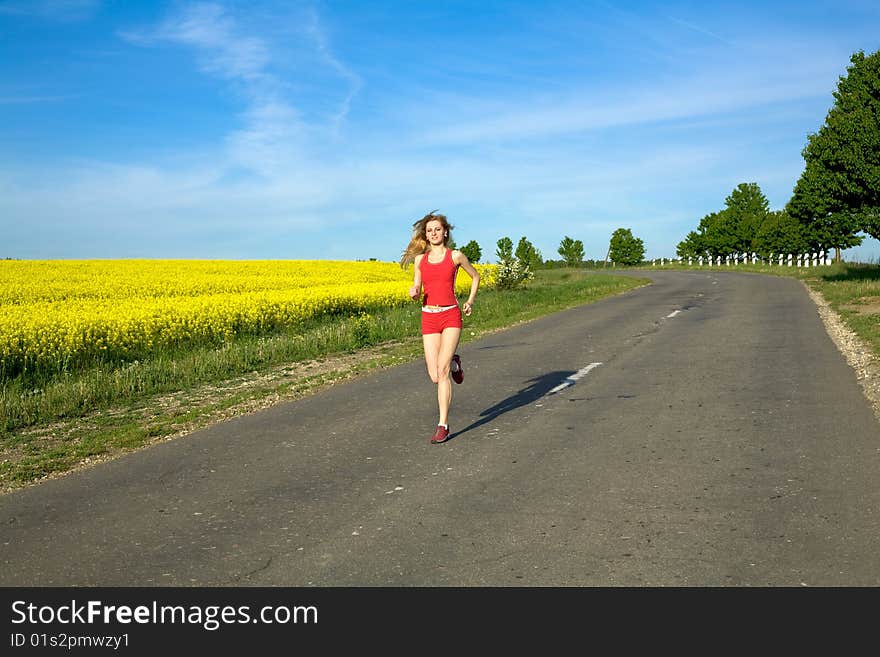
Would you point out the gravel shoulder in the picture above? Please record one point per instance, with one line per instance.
(857, 353)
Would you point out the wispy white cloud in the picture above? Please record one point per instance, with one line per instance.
(317, 33)
(224, 51)
(275, 136)
(711, 92)
(272, 142)
(272, 127)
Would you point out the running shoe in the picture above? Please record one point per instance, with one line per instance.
(457, 372)
(441, 435)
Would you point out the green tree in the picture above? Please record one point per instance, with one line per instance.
(840, 185)
(813, 206)
(625, 248)
(691, 246)
(527, 253)
(718, 234)
(572, 251)
(746, 210)
(472, 251)
(834, 231)
(504, 250)
(781, 234)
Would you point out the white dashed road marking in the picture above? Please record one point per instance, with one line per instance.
(673, 313)
(571, 380)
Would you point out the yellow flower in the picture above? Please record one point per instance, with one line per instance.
(57, 313)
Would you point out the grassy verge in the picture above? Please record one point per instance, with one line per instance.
(51, 425)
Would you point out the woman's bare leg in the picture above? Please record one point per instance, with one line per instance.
(448, 344)
(431, 343)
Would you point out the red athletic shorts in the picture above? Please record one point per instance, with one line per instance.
(436, 322)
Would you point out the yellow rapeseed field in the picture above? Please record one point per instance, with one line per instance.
(56, 313)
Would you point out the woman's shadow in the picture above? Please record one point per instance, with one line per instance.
(535, 389)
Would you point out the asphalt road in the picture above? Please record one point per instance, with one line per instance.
(723, 440)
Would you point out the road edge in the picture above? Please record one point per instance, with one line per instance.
(856, 352)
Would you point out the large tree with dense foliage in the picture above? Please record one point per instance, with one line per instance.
(781, 234)
(572, 251)
(691, 246)
(715, 236)
(625, 248)
(732, 230)
(745, 212)
(840, 187)
(719, 233)
(813, 206)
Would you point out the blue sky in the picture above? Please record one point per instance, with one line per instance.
(322, 130)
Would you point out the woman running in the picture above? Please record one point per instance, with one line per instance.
(436, 266)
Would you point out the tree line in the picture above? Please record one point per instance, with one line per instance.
(836, 200)
(624, 248)
(516, 267)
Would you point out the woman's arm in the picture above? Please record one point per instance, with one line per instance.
(416, 289)
(462, 261)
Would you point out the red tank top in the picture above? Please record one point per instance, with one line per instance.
(438, 280)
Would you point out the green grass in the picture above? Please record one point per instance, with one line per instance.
(52, 424)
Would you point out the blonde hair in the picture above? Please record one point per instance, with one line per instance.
(419, 242)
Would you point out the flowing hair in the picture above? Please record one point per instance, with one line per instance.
(419, 242)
